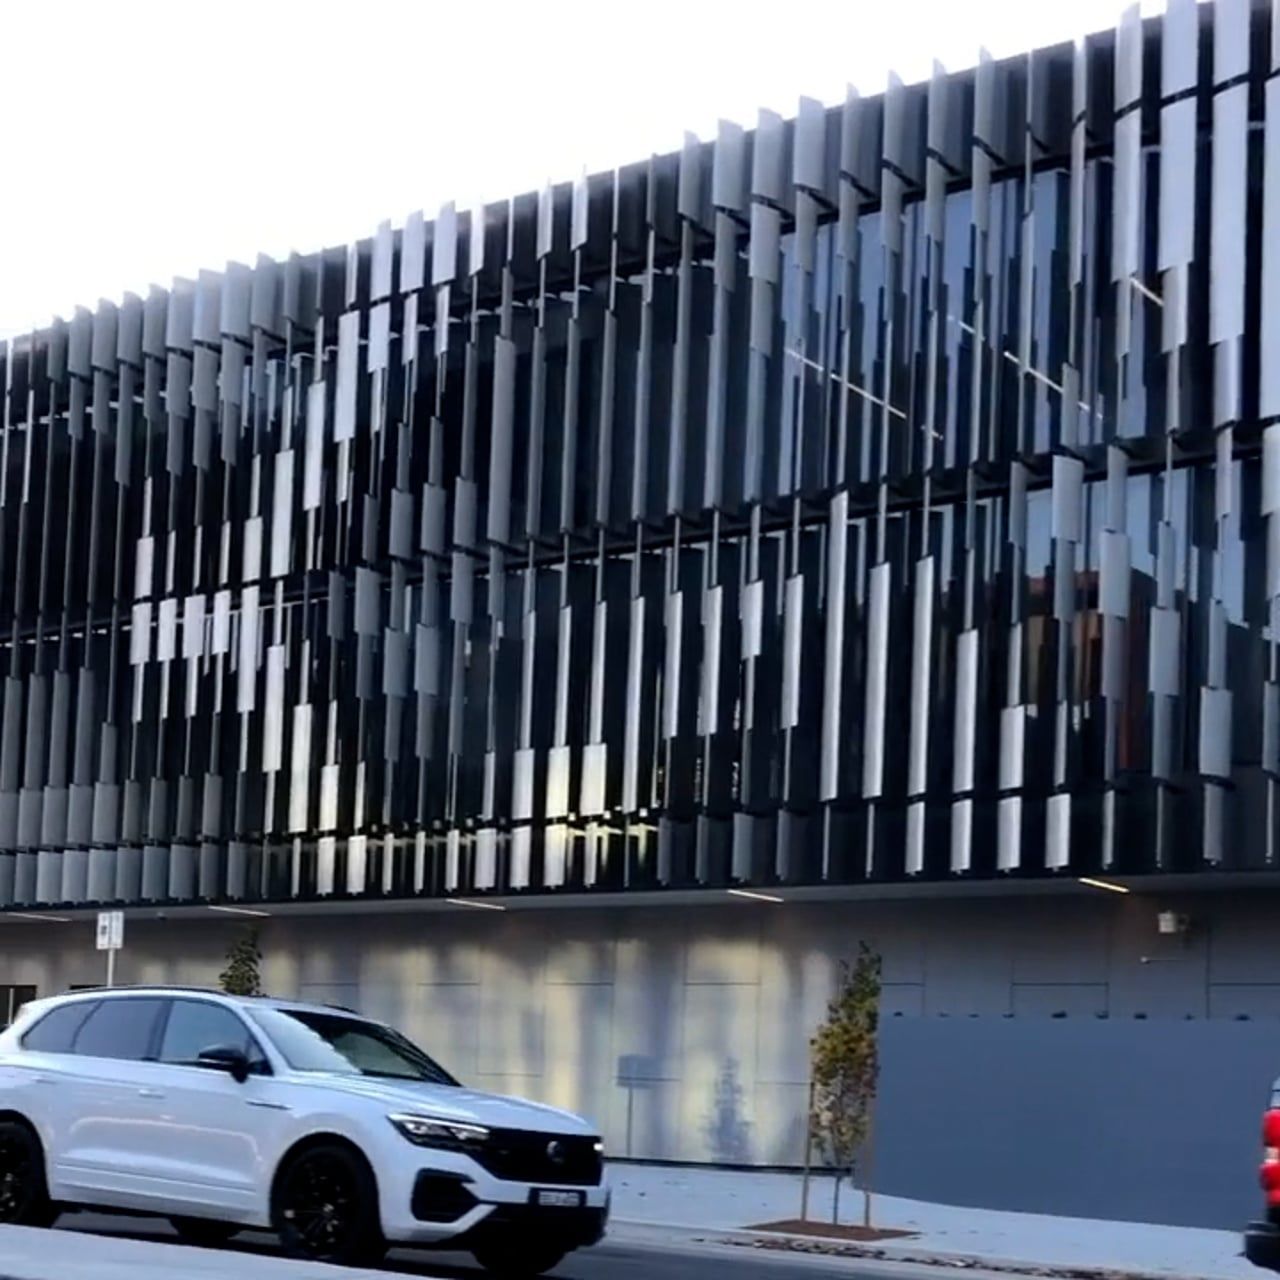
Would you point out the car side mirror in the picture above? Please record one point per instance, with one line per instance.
(225, 1058)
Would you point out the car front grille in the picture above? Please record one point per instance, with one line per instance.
(516, 1155)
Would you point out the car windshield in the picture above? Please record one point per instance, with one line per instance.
(310, 1040)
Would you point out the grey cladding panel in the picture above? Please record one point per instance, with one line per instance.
(129, 330)
(967, 649)
(546, 221)
(104, 336)
(380, 269)
(1179, 47)
(379, 337)
(579, 211)
(1068, 481)
(728, 178)
(499, 512)
(237, 295)
(344, 414)
(863, 310)
(1215, 732)
(689, 186)
(208, 307)
(1230, 39)
(809, 151)
(368, 591)
(1269, 375)
(765, 244)
(264, 302)
(1177, 183)
(768, 157)
(476, 235)
(313, 457)
(1227, 235)
(444, 246)
(1114, 591)
(413, 253)
(877, 674)
(1128, 63)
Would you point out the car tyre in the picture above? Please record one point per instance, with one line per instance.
(205, 1232)
(325, 1206)
(24, 1192)
(512, 1261)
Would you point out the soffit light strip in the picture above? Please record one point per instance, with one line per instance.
(755, 897)
(1105, 884)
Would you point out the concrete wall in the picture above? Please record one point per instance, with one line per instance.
(1041, 1054)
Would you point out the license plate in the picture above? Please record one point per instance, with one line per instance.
(560, 1199)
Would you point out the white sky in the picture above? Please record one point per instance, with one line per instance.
(144, 139)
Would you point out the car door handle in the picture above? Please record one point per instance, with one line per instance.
(45, 1080)
(267, 1106)
(150, 1093)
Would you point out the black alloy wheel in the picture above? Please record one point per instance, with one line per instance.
(207, 1233)
(325, 1206)
(24, 1194)
(513, 1261)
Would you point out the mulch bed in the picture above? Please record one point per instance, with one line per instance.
(830, 1231)
(808, 1242)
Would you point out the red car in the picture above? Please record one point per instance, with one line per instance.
(1262, 1239)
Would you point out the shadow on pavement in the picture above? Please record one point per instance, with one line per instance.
(441, 1266)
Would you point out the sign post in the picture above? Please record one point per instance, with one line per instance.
(110, 939)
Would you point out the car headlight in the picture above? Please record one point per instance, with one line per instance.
(598, 1147)
(434, 1131)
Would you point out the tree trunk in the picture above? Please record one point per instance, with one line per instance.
(868, 1163)
(808, 1159)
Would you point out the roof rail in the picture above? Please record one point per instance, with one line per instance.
(160, 986)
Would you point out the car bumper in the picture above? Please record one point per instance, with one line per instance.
(1262, 1245)
(448, 1198)
(565, 1228)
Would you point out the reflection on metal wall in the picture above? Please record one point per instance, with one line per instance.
(888, 492)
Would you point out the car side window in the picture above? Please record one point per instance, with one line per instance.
(197, 1025)
(56, 1031)
(118, 1029)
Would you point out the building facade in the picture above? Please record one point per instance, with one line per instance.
(877, 503)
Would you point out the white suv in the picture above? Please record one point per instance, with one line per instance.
(222, 1112)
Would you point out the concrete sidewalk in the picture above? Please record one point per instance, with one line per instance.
(30, 1254)
(719, 1200)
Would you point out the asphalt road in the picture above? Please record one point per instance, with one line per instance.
(619, 1259)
